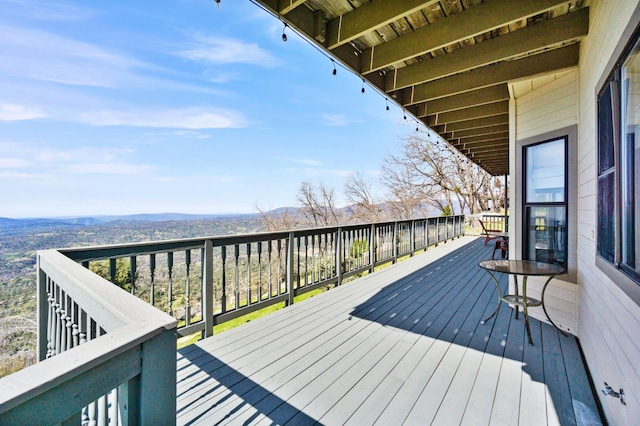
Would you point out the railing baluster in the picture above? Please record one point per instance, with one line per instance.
(248, 249)
(223, 278)
(236, 254)
(133, 270)
(152, 269)
(187, 295)
(170, 284)
(207, 290)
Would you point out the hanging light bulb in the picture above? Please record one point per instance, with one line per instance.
(387, 102)
(362, 90)
(335, 71)
(218, 3)
(405, 114)
(284, 36)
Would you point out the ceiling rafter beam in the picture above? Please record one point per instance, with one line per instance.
(368, 17)
(486, 95)
(477, 123)
(481, 139)
(552, 32)
(286, 6)
(496, 108)
(481, 131)
(456, 28)
(542, 63)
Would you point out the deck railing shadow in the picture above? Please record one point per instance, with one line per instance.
(447, 300)
(240, 390)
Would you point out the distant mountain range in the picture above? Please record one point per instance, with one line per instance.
(9, 226)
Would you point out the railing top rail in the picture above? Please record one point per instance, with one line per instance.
(28, 383)
(93, 253)
(109, 305)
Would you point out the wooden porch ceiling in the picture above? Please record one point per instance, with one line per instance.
(446, 62)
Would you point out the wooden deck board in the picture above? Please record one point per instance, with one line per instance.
(403, 345)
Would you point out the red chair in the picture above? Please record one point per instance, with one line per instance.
(502, 244)
(490, 234)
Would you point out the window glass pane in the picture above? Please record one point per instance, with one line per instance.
(545, 178)
(605, 131)
(630, 153)
(546, 239)
(606, 216)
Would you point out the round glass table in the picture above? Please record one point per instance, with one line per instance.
(524, 268)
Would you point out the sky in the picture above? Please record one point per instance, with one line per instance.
(175, 106)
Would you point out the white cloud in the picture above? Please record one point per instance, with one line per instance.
(109, 168)
(12, 112)
(14, 163)
(47, 10)
(335, 120)
(187, 118)
(217, 50)
(43, 55)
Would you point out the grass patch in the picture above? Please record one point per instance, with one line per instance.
(192, 338)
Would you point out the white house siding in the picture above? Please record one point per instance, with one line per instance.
(544, 105)
(609, 322)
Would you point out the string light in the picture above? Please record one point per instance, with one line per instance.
(284, 36)
(362, 90)
(218, 3)
(387, 102)
(335, 71)
(405, 114)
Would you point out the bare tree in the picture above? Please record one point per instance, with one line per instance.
(282, 219)
(318, 205)
(428, 172)
(366, 207)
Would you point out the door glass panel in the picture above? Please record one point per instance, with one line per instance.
(546, 228)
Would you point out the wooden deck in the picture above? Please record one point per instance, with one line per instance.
(403, 345)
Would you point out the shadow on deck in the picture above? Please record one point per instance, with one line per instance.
(401, 346)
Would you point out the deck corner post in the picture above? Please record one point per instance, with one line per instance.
(339, 256)
(43, 312)
(289, 270)
(207, 288)
(158, 378)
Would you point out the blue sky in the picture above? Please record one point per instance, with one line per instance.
(174, 106)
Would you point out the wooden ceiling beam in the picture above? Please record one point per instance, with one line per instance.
(368, 17)
(553, 60)
(481, 131)
(482, 96)
(552, 32)
(477, 123)
(496, 108)
(481, 139)
(456, 28)
(286, 6)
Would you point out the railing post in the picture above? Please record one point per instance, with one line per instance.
(412, 237)
(289, 270)
(158, 378)
(372, 248)
(43, 313)
(339, 258)
(207, 290)
(395, 242)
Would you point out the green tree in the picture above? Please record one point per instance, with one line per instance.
(122, 277)
(446, 211)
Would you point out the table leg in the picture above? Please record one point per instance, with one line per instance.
(544, 288)
(525, 308)
(515, 282)
(495, 311)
